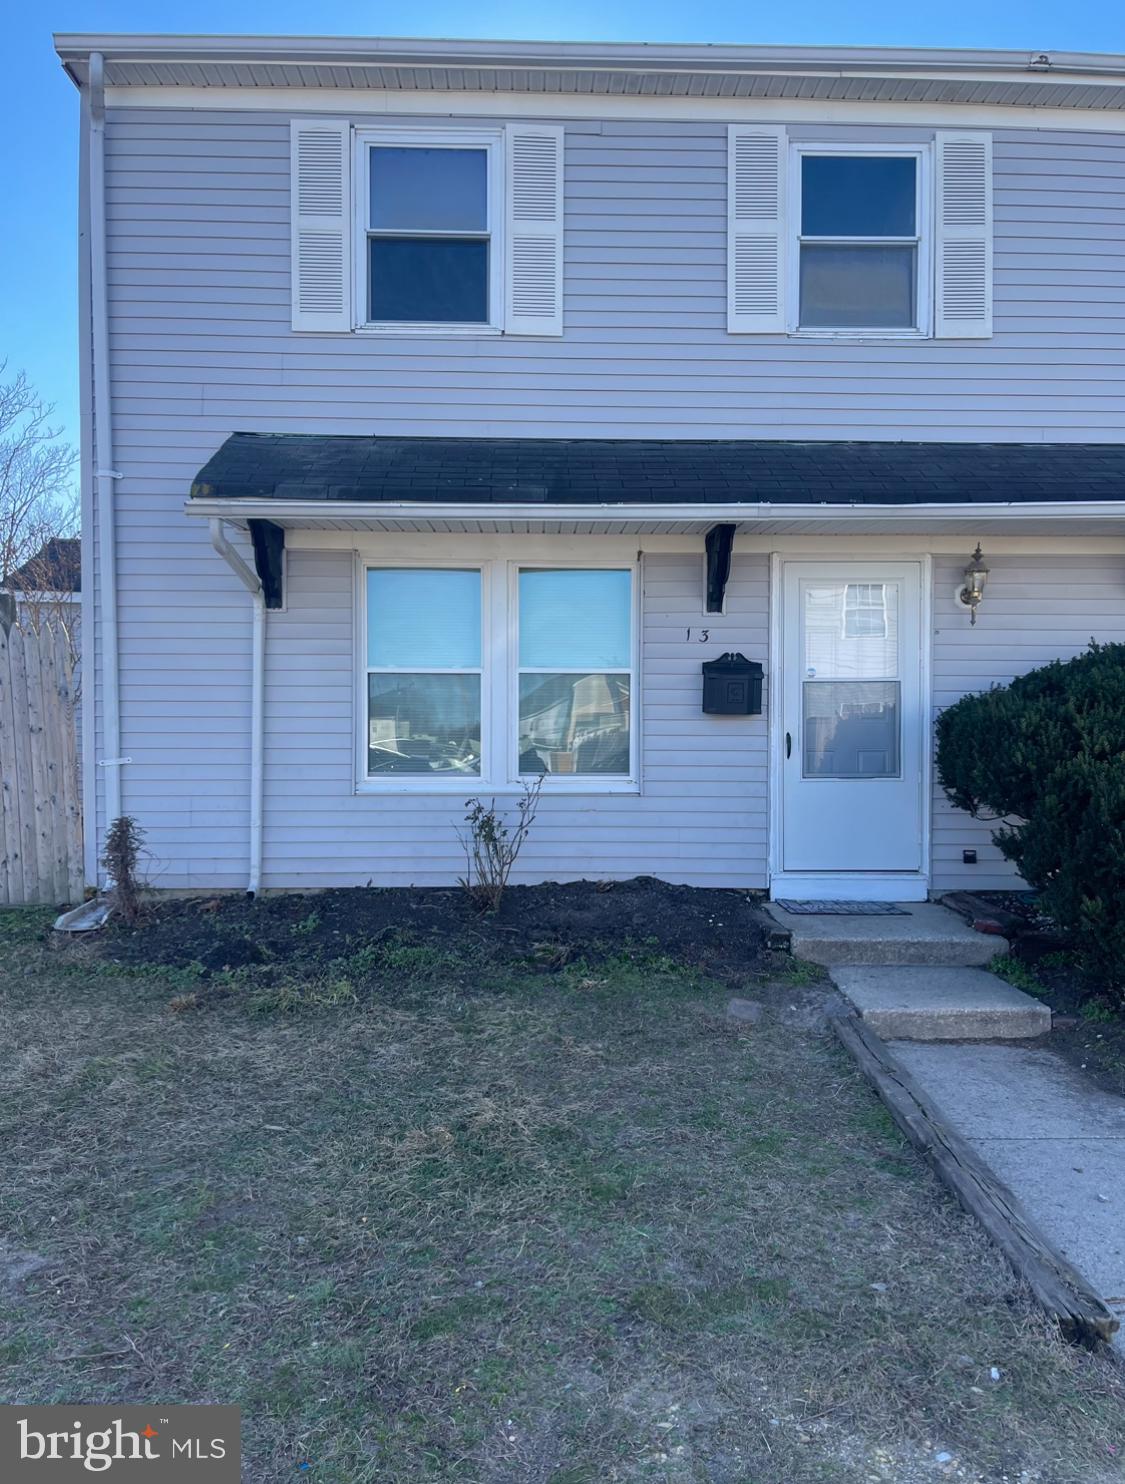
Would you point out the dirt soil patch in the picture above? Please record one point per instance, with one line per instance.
(718, 932)
(1089, 1027)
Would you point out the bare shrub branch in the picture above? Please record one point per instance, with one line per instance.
(491, 848)
(123, 842)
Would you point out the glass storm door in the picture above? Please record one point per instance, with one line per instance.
(852, 723)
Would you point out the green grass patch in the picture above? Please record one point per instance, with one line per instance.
(428, 1213)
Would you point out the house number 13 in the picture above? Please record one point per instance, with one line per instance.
(702, 636)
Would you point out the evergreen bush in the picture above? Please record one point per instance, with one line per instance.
(1045, 758)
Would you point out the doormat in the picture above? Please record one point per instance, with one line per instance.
(841, 909)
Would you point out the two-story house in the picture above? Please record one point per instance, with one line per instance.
(448, 404)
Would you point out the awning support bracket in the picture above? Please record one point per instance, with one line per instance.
(719, 543)
(268, 541)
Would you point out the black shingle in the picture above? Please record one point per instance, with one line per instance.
(596, 471)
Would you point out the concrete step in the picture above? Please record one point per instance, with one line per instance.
(927, 934)
(940, 1004)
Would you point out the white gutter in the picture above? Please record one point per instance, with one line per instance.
(407, 514)
(636, 56)
(105, 475)
(257, 693)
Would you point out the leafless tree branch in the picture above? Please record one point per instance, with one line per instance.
(36, 474)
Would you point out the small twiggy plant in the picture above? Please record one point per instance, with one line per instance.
(491, 848)
(123, 843)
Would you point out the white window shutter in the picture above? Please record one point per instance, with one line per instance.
(320, 224)
(756, 163)
(534, 235)
(963, 236)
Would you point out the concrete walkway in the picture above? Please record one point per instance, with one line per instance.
(1053, 1137)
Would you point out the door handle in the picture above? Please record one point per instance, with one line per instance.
(788, 745)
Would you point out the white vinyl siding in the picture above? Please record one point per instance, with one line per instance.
(701, 817)
(202, 345)
(199, 282)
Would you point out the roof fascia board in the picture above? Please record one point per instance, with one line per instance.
(404, 51)
(208, 507)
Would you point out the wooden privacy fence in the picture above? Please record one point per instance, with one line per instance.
(41, 846)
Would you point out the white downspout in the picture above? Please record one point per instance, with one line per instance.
(257, 692)
(104, 473)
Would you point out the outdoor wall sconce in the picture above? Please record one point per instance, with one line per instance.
(973, 580)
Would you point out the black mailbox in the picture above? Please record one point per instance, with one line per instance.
(732, 686)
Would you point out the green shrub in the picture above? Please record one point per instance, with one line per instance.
(1045, 758)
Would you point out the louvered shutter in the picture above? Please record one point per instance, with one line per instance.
(963, 257)
(320, 224)
(534, 244)
(756, 229)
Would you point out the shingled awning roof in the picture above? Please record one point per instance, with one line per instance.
(620, 471)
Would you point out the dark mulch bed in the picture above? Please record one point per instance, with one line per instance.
(716, 932)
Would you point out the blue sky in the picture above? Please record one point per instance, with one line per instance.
(39, 107)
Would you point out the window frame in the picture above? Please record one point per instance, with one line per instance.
(402, 136)
(420, 782)
(922, 154)
(863, 608)
(499, 673)
(571, 782)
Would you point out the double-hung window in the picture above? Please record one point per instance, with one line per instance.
(431, 250)
(424, 673)
(859, 239)
(497, 672)
(860, 244)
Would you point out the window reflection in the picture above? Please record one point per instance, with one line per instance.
(423, 724)
(574, 724)
(851, 729)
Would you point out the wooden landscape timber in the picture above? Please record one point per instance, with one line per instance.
(1058, 1287)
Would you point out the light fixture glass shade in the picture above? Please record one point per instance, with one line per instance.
(976, 573)
(975, 576)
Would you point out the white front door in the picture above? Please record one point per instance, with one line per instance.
(852, 728)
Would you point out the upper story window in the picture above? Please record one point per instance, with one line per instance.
(859, 239)
(859, 242)
(431, 216)
(426, 229)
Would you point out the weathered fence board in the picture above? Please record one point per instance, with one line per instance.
(41, 825)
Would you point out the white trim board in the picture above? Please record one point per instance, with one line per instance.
(745, 543)
(914, 519)
(561, 106)
(863, 886)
